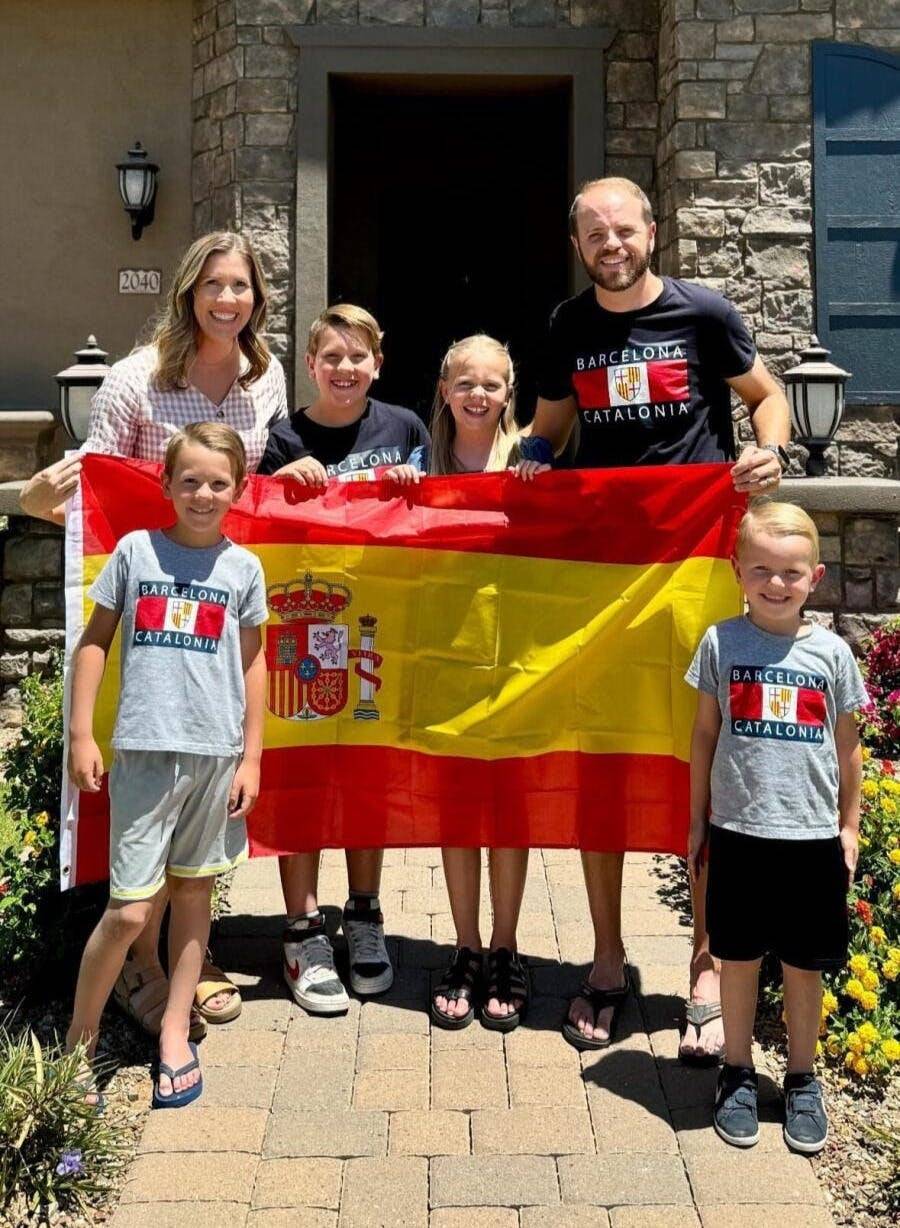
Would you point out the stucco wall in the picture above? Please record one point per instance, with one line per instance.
(79, 84)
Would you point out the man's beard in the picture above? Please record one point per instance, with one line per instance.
(620, 278)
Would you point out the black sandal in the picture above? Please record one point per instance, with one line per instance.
(461, 982)
(599, 999)
(507, 979)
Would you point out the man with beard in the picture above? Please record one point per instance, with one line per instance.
(646, 365)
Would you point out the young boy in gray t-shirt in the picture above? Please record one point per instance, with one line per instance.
(775, 781)
(188, 734)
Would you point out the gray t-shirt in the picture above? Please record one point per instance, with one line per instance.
(182, 681)
(775, 770)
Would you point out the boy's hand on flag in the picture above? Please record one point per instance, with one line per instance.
(527, 470)
(85, 764)
(404, 475)
(244, 790)
(307, 471)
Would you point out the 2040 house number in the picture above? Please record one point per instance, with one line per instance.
(139, 281)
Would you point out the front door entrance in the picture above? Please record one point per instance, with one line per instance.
(448, 216)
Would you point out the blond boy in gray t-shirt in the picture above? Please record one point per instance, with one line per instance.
(187, 740)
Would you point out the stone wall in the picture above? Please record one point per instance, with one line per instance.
(734, 171)
(245, 102)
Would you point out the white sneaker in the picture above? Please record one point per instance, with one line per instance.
(309, 970)
(370, 964)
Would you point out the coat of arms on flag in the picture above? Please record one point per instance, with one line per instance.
(308, 653)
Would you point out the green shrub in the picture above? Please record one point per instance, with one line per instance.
(55, 1148)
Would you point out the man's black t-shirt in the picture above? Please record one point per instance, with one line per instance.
(650, 384)
(382, 436)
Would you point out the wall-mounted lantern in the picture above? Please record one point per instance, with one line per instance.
(77, 385)
(137, 187)
(815, 389)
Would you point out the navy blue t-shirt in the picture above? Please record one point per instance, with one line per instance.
(383, 435)
(650, 384)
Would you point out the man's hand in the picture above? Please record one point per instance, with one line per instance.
(527, 470)
(85, 764)
(850, 847)
(244, 789)
(404, 475)
(307, 471)
(757, 471)
(51, 486)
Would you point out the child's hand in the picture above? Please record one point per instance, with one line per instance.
(244, 789)
(527, 470)
(85, 764)
(307, 471)
(697, 838)
(404, 475)
(850, 847)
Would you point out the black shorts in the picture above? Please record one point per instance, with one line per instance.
(786, 897)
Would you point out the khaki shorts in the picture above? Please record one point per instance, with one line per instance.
(169, 815)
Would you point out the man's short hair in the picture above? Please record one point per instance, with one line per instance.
(779, 520)
(216, 436)
(345, 317)
(613, 181)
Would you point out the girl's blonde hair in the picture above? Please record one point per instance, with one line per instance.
(443, 428)
(175, 333)
(780, 520)
(348, 317)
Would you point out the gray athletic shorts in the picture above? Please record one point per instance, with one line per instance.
(169, 815)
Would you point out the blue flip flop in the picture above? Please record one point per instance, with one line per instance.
(178, 1100)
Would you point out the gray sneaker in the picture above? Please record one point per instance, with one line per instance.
(370, 964)
(309, 970)
(735, 1115)
(805, 1121)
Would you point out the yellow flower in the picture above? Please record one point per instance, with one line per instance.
(894, 857)
(891, 1049)
(849, 1059)
(829, 1003)
(890, 785)
(870, 980)
(894, 954)
(869, 1033)
(42, 819)
(889, 806)
(853, 989)
(858, 964)
(863, 842)
(895, 890)
(893, 841)
(861, 1066)
(890, 969)
(877, 934)
(833, 1046)
(29, 838)
(854, 1042)
(870, 788)
(866, 754)
(869, 1000)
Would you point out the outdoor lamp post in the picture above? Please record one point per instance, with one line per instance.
(815, 389)
(77, 385)
(137, 187)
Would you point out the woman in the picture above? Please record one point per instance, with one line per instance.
(207, 361)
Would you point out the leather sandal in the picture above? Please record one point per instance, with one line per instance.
(461, 982)
(507, 980)
(142, 993)
(598, 1000)
(213, 981)
(696, 1015)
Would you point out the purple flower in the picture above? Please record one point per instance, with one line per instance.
(70, 1164)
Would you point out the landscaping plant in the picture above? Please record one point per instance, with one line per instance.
(880, 726)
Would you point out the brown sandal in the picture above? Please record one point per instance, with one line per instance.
(142, 994)
(213, 981)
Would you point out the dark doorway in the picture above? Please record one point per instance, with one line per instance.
(449, 200)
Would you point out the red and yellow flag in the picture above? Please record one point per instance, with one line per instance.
(478, 661)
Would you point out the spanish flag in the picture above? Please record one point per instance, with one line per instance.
(473, 661)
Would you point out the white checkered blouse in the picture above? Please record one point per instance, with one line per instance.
(129, 417)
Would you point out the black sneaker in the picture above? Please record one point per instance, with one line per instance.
(805, 1122)
(370, 964)
(735, 1117)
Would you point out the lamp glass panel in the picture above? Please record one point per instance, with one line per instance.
(134, 186)
(821, 400)
(80, 397)
(795, 401)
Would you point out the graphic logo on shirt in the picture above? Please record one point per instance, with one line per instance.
(171, 615)
(643, 383)
(366, 466)
(308, 653)
(767, 701)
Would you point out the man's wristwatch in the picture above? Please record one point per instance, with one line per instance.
(778, 452)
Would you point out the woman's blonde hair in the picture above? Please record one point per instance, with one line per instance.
(443, 428)
(218, 437)
(175, 334)
(779, 520)
(348, 317)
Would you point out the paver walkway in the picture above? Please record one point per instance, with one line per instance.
(379, 1119)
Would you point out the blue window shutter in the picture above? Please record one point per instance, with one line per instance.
(856, 189)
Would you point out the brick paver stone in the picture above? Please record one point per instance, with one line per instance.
(206, 1129)
(657, 1217)
(250, 1087)
(530, 1131)
(616, 1178)
(333, 1134)
(289, 1183)
(503, 1181)
(434, 1132)
(196, 1177)
(564, 1217)
(459, 1082)
(385, 1193)
(179, 1215)
(391, 1089)
(474, 1217)
(753, 1216)
(235, 1047)
(735, 1176)
(295, 1217)
(383, 1052)
(545, 1086)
